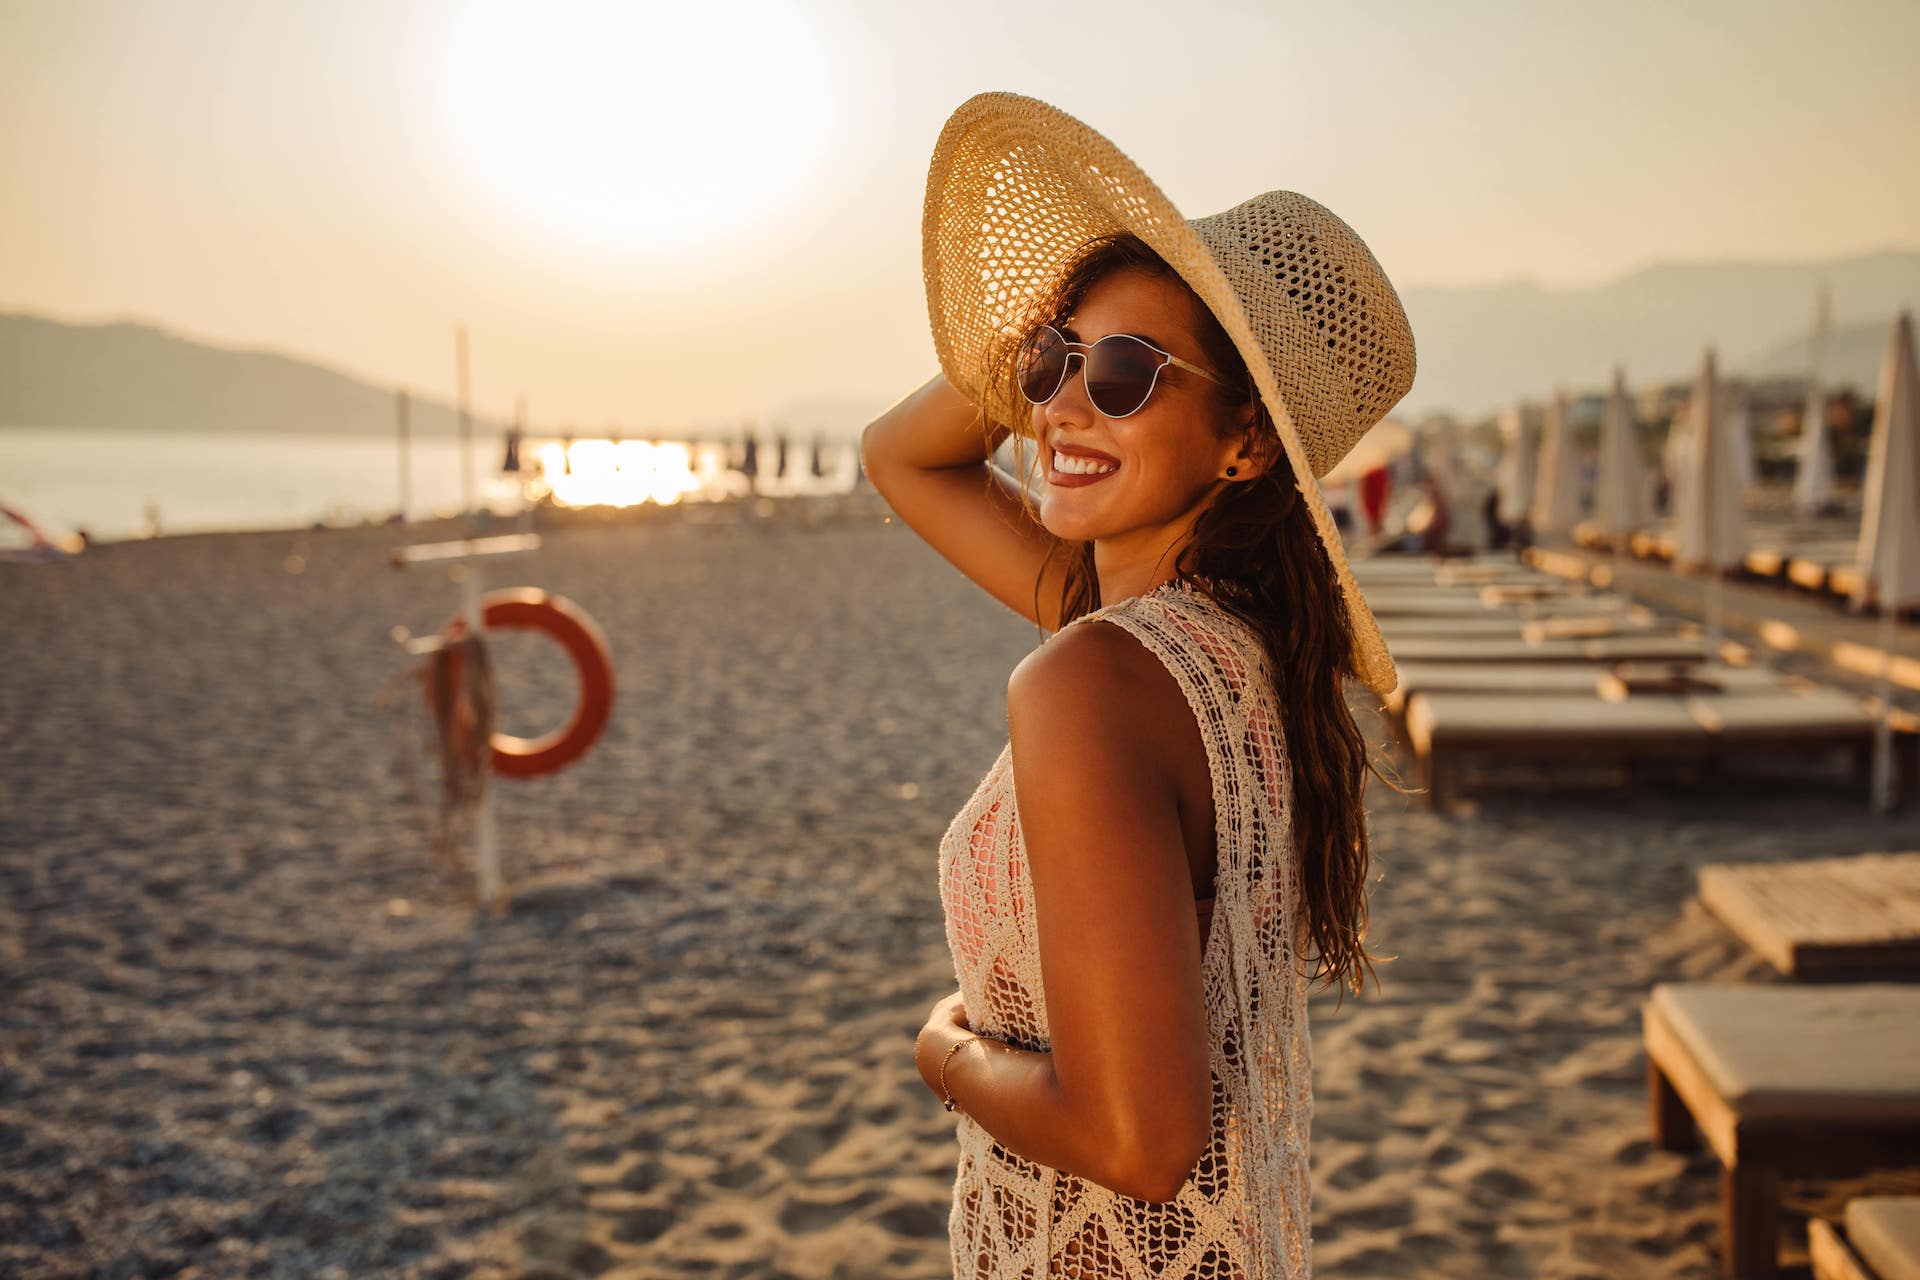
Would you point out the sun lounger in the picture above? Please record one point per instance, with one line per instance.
(1523, 678)
(1634, 679)
(1496, 594)
(1480, 575)
(1394, 601)
(1491, 677)
(1824, 918)
(1481, 624)
(1881, 1241)
(1588, 626)
(1445, 727)
(1627, 648)
(1823, 720)
(1782, 1080)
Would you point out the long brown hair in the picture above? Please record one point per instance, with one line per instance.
(1256, 550)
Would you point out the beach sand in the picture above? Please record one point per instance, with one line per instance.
(250, 1028)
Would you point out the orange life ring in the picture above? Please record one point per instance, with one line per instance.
(532, 609)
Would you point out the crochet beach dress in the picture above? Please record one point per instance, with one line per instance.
(1242, 1212)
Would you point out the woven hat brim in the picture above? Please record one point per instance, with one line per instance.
(1073, 186)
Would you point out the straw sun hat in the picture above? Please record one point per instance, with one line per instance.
(1016, 186)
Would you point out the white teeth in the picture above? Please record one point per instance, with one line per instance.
(1082, 466)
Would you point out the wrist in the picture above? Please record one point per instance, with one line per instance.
(947, 1074)
(932, 1044)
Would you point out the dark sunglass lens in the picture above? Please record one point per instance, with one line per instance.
(1042, 363)
(1120, 374)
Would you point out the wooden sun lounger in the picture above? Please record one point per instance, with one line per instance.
(1881, 1241)
(1627, 648)
(1824, 919)
(1499, 624)
(1492, 677)
(1480, 624)
(1534, 678)
(1793, 1081)
(1443, 728)
(1699, 727)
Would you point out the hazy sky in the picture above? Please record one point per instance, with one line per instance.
(677, 214)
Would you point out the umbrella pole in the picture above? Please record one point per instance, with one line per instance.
(1713, 612)
(1883, 725)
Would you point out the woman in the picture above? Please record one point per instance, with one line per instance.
(1172, 843)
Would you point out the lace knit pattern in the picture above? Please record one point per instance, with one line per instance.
(1243, 1211)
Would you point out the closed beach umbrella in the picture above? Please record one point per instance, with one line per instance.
(1673, 458)
(1620, 503)
(1813, 474)
(1739, 413)
(1516, 465)
(1556, 495)
(1889, 552)
(1462, 495)
(1709, 527)
(1813, 471)
(1889, 548)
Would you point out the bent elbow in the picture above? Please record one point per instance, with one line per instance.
(1158, 1179)
(1157, 1186)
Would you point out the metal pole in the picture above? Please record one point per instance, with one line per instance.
(466, 422)
(520, 436)
(1889, 599)
(401, 426)
(486, 846)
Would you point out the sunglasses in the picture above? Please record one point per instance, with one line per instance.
(1121, 370)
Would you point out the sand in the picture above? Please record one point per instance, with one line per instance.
(249, 1028)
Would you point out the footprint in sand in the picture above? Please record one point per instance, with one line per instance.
(797, 1217)
(804, 1143)
(642, 1225)
(914, 1218)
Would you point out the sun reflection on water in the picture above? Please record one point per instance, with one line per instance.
(621, 473)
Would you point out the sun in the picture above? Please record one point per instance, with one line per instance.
(640, 126)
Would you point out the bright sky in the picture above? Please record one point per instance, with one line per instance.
(653, 218)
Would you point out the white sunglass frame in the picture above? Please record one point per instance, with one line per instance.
(1085, 349)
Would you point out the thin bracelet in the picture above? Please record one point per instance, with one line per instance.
(946, 1097)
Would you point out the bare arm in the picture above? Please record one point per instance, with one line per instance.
(927, 456)
(1124, 1096)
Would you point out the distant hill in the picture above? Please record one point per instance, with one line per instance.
(1480, 348)
(135, 376)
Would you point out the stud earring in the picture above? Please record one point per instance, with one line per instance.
(1233, 471)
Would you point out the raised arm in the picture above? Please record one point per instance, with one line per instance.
(927, 456)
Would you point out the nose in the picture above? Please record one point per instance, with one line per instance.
(1067, 380)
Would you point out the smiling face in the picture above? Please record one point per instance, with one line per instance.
(1160, 465)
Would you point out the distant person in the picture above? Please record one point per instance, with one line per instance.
(1374, 485)
(1499, 535)
(1428, 521)
(510, 464)
(750, 464)
(1166, 544)
(780, 455)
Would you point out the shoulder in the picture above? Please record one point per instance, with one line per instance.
(1093, 690)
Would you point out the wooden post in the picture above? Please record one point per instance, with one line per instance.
(1750, 1220)
(1673, 1127)
(466, 421)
